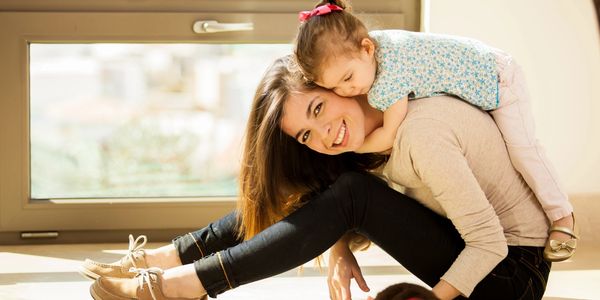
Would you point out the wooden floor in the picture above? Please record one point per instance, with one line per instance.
(49, 272)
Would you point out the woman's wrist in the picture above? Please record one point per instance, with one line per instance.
(443, 290)
(342, 245)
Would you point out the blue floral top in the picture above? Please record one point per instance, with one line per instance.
(422, 65)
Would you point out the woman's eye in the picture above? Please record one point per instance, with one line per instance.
(348, 78)
(318, 109)
(305, 136)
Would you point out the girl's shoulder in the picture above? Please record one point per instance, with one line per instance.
(405, 40)
(384, 37)
(395, 37)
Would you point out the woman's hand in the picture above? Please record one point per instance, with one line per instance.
(342, 268)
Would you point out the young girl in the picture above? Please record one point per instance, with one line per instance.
(335, 50)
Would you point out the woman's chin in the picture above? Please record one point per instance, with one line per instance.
(337, 150)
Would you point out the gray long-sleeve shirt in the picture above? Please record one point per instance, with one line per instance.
(451, 157)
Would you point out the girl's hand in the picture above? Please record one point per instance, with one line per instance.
(342, 268)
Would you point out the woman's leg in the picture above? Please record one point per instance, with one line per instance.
(185, 249)
(216, 236)
(523, 274)
(179, 279)
(188, 248)
(164, 257)
(422, 241)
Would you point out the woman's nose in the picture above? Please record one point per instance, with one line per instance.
(324, 129)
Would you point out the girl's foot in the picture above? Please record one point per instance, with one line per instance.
(562, 240)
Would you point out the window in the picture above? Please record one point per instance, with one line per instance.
(167, 119)
(116, 115)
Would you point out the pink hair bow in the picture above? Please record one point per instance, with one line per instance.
(318, 11)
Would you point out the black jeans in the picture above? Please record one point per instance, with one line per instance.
(423, 242)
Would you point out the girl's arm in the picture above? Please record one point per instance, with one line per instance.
(382, 138)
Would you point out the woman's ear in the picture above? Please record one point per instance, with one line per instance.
(368, 45)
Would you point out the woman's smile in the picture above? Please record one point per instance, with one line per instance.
(342, 136)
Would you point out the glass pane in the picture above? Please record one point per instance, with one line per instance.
(140, 120)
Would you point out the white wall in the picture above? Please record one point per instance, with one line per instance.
(558, 44)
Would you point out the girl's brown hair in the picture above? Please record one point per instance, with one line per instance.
(320, 37)
(278, 174)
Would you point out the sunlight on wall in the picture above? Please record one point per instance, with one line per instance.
(558, 45)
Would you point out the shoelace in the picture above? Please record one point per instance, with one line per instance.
(143, 276)
(135, 248)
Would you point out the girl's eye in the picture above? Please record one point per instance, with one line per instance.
(305, 136)
(348, 78)
(318, 109)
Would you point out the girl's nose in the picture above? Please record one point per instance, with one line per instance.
(347, 91)
(342, 91)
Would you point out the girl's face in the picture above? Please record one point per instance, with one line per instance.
(324, 121)
(350, 75)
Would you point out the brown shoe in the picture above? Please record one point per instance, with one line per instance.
(146, 285)
(120, 269)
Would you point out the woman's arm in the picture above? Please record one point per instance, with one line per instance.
(444, 290)
(342, 267)
(438, 159)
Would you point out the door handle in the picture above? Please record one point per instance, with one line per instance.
(212, 26)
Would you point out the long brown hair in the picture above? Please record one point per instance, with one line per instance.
(324, 36)
(278, 174)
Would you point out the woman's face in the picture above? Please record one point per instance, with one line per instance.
(324, 121)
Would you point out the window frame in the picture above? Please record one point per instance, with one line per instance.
(20, 27)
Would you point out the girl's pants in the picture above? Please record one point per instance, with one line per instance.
(515, 120)
(423, 242)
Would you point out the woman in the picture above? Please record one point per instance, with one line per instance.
(475, 203)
